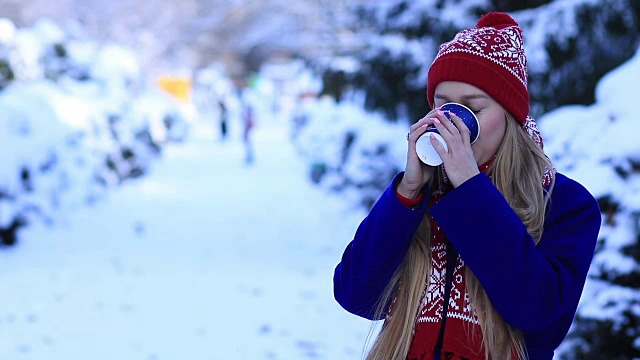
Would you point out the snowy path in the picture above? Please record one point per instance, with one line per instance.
(204, 258)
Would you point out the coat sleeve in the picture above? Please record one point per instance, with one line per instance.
(376, 251)
(530, 286)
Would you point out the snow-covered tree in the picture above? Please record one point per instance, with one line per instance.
(195, 33)
(570, 45)
(594, 144)
(402, 39)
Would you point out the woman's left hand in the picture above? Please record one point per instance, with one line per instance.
(459, 162)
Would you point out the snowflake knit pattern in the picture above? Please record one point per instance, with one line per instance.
(489, 56)
(462, 334)
(503, 47)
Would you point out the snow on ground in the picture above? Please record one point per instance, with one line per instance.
(204, 258)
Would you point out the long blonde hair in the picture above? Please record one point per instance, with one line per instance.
(518, 157)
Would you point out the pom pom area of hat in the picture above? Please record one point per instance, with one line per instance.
(496, 20)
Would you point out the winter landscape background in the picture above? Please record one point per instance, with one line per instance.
(131, 228)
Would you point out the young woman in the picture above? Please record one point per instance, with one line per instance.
(486, 255)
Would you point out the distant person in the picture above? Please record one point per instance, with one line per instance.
(224, 119)
(248, 122)
(484, 256)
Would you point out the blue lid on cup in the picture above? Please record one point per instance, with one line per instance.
(466, 115)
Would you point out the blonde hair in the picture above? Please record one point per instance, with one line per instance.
(518, 157)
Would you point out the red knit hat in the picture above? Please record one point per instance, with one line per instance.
(490, 57)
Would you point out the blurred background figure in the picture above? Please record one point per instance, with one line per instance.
(248, 123)
(224, 119)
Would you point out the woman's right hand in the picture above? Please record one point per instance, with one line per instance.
(416, 173)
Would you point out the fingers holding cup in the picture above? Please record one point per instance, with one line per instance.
(461, 128)
(418, 129)
(467, 116)
(438, 145)
(424, 146)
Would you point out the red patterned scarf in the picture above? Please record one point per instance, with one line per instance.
(462, 335)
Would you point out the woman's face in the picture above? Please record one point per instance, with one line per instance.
(490, 115)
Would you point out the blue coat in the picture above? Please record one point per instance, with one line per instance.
(534, 288)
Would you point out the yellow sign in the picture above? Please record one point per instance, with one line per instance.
(178, 86)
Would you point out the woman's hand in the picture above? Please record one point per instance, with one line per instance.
(458, 161)
(416, 173)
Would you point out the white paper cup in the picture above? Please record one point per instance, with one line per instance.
(426, 153)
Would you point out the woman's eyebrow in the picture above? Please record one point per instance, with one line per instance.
(464, 97)
(441, 97)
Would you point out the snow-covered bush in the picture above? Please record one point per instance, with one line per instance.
(7, 35)
(76, 118)
(351, 150)
(597, 145)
